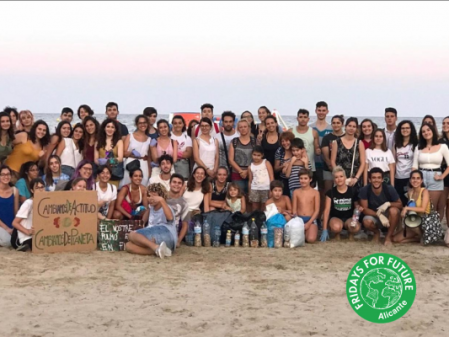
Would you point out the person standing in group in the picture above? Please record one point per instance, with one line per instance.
(151, 114)
(406, 141)
(378, 155)
(66, 115)
(270, 139)
(263, 112)
(428, 158)
(14, 114)
(429, 120)
(282, 159)
(367, 128)
(106, 192)
(299, 162)
(185, 146)
(349, 153)
(250, 118)
(205, 148)
(162, 145)
(26, 121)
(326, 149)
(391, 117)
(137, 146)
(91, 128)
(29, 147)
(9, 205)
(70, 150)
(259, 176)
(207, 111)
(240, 155)
(444, 201)
(309, 136)
(84, 111)
(6, 136)
(112, 113)
(53, 173)
(225, 138)
(109, 147)
(63, 130)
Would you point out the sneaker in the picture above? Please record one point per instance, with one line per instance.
(163, 251)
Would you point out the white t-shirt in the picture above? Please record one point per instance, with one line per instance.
(26, 213)
(184, 141)
(228, 139)
(404, 161)
(108, 196)
(158, 179)
(379, 158)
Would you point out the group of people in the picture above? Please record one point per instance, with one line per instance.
(165, 173)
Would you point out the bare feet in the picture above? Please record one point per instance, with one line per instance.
(376, 237)
(351, 237)
(337, 237)
(388, 242)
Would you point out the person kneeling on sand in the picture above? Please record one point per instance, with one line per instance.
(381, 206)
(161, 235)
(306, 204)
(282, 202)
(339, 207)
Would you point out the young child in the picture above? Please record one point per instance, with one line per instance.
(282, 202)
(260, 174)
(306, 205)
(21, 237)
(235, 202)
(79, 184)
(298, 162)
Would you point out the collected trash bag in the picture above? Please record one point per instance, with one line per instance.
(214, 218)
(235, 223)
(297, 235)
(276, 221)
(271, 210)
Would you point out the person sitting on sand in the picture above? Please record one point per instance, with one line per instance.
(161, 236)
(178, 205)
(282, 202)
(421, 196)
(339, 207)
(381, 206)
(306, 205)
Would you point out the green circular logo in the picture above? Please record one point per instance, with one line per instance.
(381, 288)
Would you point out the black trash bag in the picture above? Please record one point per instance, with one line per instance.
(216, 218)
(236, 223)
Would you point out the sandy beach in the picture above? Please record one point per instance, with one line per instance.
(211, 292)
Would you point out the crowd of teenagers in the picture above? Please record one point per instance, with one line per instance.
(165, 173)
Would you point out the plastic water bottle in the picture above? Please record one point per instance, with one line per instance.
(237, 239)
(287, 235)
(355, 217)
(254, 235)
(245, 235)
(228, 238)
(190, 235)
(263, 235)
(197, 230)
(206, 234)
(217, 231)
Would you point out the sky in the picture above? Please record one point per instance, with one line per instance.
(359, 57)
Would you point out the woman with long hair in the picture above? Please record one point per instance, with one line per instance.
(378, 155)
(219, 188)
(205, 148)
(91, 128)
(107, 193)
(70, 150)
(53, 173)
(349, 153)
(282, 159)
(137, 145)
(130, 198)
(109, 147)
(84, 111)
(429, 119)
(29, 147)
(196, 193)
(263, 112)
(6, 136)
(9, 205)
(250, 118)
(185, 150)
(367, 128)
(444, 201)
(14, 114)
(26, 121)
(162, 145)
(83, 170)
(63, 130)
(428, 158)
(28, 172)
(270, 139)
(406, 141)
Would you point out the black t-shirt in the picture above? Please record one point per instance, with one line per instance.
(342, 204)
(374, 201)
(123, 129)
(327, 142)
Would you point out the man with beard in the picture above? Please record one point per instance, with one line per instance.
(165, 163)
(381, 206)
(178, 204)
(226, 137)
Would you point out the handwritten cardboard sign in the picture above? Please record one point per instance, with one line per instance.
(113, 234)
(65, 221)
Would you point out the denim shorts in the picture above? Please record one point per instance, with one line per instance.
(430, 182)
(160, 234)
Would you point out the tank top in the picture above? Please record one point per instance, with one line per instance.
(269, 150)
(219, 196)
(308, 140)
(21, 154)
(419, 203)
(207, 152)
(168, 150)
(344, 157)
(70, 156)
(243, 152)
(90, 152)
(193, 199)
(141, 147)
(235, 206)
(261, 178)
(7, 209)
(128, 197)
(5, 150)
